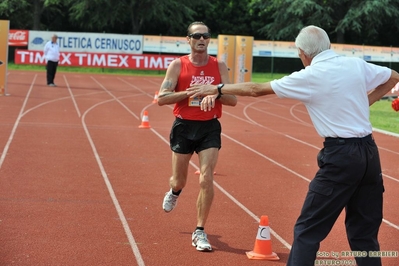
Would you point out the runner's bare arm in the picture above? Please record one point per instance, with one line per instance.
(167, 94)
(224, 73)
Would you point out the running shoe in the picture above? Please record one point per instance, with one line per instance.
(169, 201)
(200, 241)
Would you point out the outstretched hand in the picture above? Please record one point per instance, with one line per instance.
(202, 90)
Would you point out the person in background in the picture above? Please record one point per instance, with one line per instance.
(195, 130)
(337, 92)
(52, 56)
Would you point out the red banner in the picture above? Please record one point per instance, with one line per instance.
(123, 61)
(18, 38)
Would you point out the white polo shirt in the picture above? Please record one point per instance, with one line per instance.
(52, 51)
(334, 90)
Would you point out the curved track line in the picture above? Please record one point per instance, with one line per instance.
(272, 114)
(251, 121)
(51, 101)
(297, 118)
(267, 158)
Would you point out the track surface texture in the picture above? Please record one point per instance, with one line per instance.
(82, 184)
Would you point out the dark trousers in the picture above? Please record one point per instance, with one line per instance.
(51, 68)
(349, 177)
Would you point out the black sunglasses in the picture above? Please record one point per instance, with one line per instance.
(198, 36)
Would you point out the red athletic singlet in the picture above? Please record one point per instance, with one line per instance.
(189, 108)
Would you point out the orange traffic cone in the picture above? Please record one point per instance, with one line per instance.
(2, 91)
(145, 122)
(155, 97)
(395, 104)
(263, 246)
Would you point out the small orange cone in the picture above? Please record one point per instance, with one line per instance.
(155, 97)
(145, 122)
(2, 91)
(395, 104)
(263, 246)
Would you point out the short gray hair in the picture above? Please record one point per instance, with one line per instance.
(312, 40)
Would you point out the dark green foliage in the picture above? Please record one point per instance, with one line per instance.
(373, 22)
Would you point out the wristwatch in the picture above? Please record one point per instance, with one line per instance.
(220, 86)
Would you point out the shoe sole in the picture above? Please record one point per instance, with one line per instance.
(201, 249)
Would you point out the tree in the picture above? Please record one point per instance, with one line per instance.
(229, 17)
(17, 12)
(28, 14)
(343, 19)
(130, 16)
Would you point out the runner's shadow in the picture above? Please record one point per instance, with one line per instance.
(223, 246)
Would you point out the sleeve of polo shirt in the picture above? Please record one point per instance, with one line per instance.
(293, 86)
(375, 75)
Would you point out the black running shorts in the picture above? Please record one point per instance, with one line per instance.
(187, 136)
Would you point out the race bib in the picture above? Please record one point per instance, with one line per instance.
(195, 101)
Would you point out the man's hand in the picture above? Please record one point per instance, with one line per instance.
(202, 90)
(208, 103)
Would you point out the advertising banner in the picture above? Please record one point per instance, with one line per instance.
(18, 38)
(4, 29)
(105, 60)
(88, 42)
(243, 59)
(348, 50)
(226, 52)
(263, 48)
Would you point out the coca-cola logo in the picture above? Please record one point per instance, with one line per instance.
(17, 36)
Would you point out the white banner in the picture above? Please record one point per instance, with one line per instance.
(88, 42)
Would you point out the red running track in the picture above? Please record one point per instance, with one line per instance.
(82, 184)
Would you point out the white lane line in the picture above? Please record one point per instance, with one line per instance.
(111, 191)
(72, 97)
(10, 138)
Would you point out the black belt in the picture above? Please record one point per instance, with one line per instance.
(328, 142)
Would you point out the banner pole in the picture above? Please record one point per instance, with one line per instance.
(4, 30)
